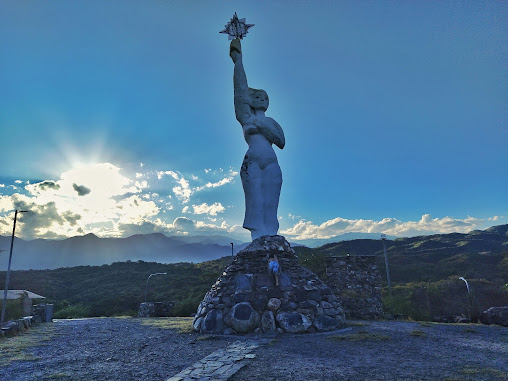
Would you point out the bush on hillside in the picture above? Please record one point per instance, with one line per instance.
(75, 311)
(13, 309)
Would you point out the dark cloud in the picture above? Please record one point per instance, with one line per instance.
(49, 184)
(41, 217)
(145, 227)
(71, 217)
(81, 189)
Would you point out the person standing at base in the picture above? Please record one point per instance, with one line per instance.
(274, 267)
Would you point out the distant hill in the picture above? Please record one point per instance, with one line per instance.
(315, 242)
(91, 250)
(478, 254)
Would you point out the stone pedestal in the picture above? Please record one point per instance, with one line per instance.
(246, 299)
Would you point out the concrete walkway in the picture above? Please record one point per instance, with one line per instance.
(221, 364)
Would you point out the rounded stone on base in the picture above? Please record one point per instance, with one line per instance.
(243, 317)
(293, 322)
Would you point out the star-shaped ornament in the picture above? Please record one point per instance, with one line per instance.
(236, 28)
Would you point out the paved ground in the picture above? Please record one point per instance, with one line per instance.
(123, 349)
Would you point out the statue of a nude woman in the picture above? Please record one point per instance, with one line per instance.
(260, 173)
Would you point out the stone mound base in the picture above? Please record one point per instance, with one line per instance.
(245, 298)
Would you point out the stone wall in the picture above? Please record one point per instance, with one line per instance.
(356, 281)
(43, 313)
(245, 298)
(155, 309)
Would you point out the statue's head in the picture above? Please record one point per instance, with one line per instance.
(258, 99)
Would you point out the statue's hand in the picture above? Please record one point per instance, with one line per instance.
(235, 50)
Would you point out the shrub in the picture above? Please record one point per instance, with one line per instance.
(13, 309)
(73, 312)
(187, 306)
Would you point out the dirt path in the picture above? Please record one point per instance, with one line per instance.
(124, 349)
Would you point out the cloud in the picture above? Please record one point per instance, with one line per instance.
(81, 189)
(2, 185)
(143, 227)
(173, 174)
(6, 203)
(43, 221)
(187, 226)
(183, 224)
(104, 178)
(134, 209)
(182, 191)
(18, 181)
(48, 185)
(224, 181)
(141, 184)
(208, 209)
(391, 226)
(60, 210)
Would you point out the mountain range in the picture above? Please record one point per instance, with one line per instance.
(92, 251)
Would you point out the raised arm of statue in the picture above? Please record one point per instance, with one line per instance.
(242, 97)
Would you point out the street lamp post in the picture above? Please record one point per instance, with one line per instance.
(146, 287)
(383, 238)
(9, 266)
(468, 297)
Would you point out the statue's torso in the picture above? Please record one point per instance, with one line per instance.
(260, 148)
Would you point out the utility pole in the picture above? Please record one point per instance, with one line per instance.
(383, 238)
(232, 255)
(9, 267)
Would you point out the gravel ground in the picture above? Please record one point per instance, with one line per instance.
(123, 349)
(386, 350)
(111, 349)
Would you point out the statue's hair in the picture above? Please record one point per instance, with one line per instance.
(253, 92)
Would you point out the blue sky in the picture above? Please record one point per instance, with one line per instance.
(395, 115)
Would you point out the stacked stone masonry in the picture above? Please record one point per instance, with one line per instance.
(156, 309)
(246, 299)
(356, 281)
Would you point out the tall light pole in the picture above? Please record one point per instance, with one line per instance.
(383, 238)
(467, 284)
(468, 297)
(151, 275)
(232, 255)
(9, 266)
